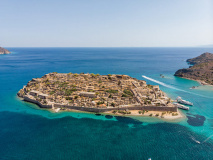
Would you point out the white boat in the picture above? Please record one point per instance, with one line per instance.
(181, 106)
(180, 100)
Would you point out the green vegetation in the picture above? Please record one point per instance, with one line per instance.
(114, 111)
(68, 92)
(52, 92)
(123, 112)
(112, 91)
(113, 104)
(128, 92)
(143, 111)
(100, 102)
(174, 114)
(68, 98)
(124, 95)
(92, 74)
(150, 86)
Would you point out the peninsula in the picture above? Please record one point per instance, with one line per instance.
(97, 93)
(202, 69)
(4, 51)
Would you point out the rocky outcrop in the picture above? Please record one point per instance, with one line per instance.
(203, 58)
(202, 69)
(4, 51)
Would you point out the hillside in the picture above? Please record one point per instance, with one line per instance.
(202, 69)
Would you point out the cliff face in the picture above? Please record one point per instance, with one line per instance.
(202, 69)
(4, 51)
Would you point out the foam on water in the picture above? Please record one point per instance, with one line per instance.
(172, 87)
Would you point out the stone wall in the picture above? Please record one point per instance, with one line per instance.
(149, 108)
(36, 102)
(98, 110)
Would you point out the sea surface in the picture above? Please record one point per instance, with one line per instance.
(28, 132)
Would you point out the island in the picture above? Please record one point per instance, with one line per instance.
(116, 94)
(4, 51)
(201, 69)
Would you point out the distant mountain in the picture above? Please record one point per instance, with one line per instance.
(4, 51)
(202, 69)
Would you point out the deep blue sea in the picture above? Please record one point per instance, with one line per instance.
(28, 132)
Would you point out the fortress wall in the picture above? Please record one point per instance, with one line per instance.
(98, 110)
(36, 102)
(149, 108)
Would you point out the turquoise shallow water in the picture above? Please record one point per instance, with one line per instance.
(28, 132)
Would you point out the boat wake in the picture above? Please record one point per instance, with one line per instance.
(198, 142)
(169, 86)
(208, 138)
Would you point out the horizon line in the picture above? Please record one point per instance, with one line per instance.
(117, 47)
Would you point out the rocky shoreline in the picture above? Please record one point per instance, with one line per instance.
(4, 51)
(201, 69)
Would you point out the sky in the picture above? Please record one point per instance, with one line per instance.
(106, 23)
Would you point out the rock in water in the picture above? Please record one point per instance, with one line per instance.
(4, 51)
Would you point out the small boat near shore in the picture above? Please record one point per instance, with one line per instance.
(180, 100)
(181, 106)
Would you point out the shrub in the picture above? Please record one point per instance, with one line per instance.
(52, 92)
(139, 112)
(98, 103)
(124, 95)
(128, 92)
(68, 92)
(150, 115)
(68, 98)
(113, 104)
(112, 91)
(174, 114)
(114, 111)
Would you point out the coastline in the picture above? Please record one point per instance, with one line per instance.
(202, 83)
(134, 113)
